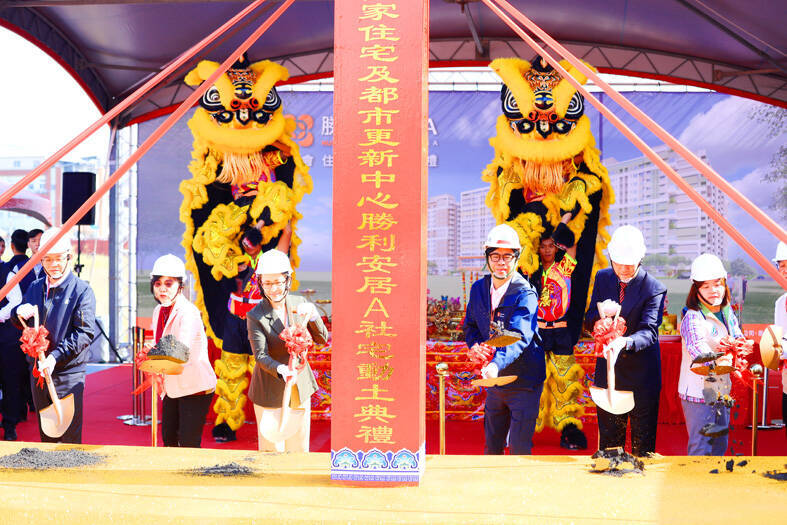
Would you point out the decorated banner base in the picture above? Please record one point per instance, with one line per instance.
(375, 465)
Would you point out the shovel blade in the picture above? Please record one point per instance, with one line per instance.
(52, 425)
(613, 401)
(271, 427)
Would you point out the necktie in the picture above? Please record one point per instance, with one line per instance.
(622, 292)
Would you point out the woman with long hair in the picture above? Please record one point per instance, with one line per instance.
(707, 319)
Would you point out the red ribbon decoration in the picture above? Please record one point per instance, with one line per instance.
(35, 344)
(740, 349)
(298, 341)
(607, 330)
(480, 355)
(142, 356)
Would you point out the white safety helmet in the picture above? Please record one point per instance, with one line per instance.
(627, 246)
(61, 246)
(168, 265)
(503, 236)
(273, 261)
(707, 267)
(781, 252)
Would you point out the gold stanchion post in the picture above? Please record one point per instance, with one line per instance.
(154, 412)
(442, 372)
(756, 370)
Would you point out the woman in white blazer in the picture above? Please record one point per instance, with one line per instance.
(187, 396)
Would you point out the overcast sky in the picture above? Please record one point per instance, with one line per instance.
(43, 106)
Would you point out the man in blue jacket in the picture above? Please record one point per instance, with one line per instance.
(66, 306)
(13, 367)
(640, 300)
(506, 297)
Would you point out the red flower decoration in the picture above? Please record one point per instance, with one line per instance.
(35, 344)
(739, 350)
(607, 330)
(480, 355)
(298, 341)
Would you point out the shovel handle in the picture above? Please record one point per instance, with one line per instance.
(285, 404)
(52, 392)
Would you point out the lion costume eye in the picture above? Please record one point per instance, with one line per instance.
(272, 101)
(211, 100)
(576, 107)
(510, 107)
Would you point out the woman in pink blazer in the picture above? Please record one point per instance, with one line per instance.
(187, 396)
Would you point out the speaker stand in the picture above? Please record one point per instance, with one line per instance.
(78, 266)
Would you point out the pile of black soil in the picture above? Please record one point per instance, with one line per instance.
(37, 459)
(616, 462)
(227, 469)
(775, 474)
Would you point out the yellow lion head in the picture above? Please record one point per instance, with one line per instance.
(241, 113)
(543, 124)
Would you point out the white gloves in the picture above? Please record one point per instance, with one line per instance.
(489, 371)
(47, 365)
(26, 310)
(285, 372)
(608, 308)
(307, 311)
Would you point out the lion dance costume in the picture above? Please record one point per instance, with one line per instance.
(246, 173)
(546, 165)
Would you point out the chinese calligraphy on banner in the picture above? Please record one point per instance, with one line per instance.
(379, 241)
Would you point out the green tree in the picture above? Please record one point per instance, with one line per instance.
(740, 267)
(775, 118)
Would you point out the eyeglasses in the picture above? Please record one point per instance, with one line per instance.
(273, 284)
(506, 257)
(50, 259)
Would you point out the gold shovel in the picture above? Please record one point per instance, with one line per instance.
(56, 418)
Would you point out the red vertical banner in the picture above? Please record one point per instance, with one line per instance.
(378, 364)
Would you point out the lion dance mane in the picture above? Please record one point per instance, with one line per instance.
(246, 171)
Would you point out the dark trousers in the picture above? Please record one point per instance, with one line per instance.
(556, 340)
(510, 413)
(644, 419)
(784, 411)
(65, 384)
(13, 380)
(182, 419)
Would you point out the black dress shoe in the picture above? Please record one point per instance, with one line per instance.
(223, 433)
(10, 434)
(573, 438)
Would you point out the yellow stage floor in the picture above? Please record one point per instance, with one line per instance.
(145, 485)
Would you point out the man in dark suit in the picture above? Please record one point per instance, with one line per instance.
(13, 366)
(506, 298)
(640, 300)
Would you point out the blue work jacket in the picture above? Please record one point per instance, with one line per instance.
(69, 316)
(518, 311)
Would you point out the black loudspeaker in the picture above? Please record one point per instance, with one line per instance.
(77, 186)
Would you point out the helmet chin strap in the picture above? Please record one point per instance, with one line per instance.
(65, 271)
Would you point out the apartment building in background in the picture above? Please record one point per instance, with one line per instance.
(442, 239)
(669, 220)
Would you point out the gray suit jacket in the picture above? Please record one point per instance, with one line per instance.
(267, 386)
